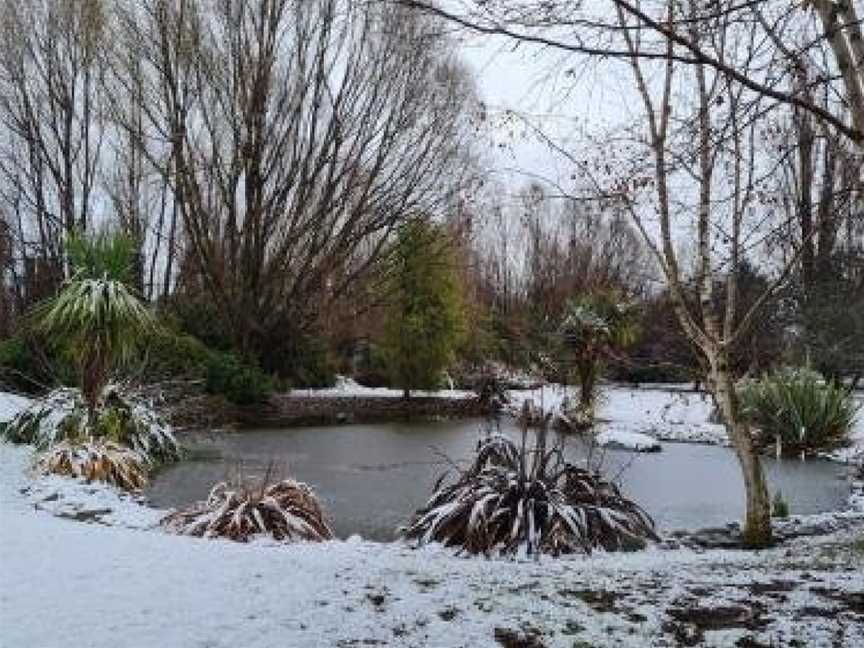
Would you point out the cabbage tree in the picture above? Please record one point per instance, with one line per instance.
(96, 317)
(594, 327)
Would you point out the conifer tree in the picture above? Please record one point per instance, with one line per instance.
(425, 316)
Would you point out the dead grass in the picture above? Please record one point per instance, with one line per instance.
(96, 460)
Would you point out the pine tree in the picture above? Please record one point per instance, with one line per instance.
(425, 317)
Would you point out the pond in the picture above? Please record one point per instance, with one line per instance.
(372, 477)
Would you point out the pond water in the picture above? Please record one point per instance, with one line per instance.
(372, 477)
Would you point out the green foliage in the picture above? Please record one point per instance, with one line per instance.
(831, 326)
(425, 317)
(779, 506)
(19, 368)
(240, 383)
(96, 317)
(62, 416)
(302, 359)
(199, 317)
(171, 354)
(104, 255)
(594, 326)
(372, 369)
(27, 366)
(797, 405)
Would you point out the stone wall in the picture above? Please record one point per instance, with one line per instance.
(287, 409)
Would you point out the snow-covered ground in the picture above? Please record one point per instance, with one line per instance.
(350, 388)
(10, 405)
(66, 582)
(625, 440)
(100, 572)
(666, 413)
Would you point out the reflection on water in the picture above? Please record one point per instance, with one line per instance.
(371, 477)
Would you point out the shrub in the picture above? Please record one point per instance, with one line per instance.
(514, 499)
(171, 354)
(27, 366)
(286, 510)
(62, 416)
(595, 326)
(17, 364)
(96, 460)
(779, 507)
(425, 318)
(240, 383)
(797, 406)
(304, 361)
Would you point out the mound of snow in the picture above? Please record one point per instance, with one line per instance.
(349, 388)
(623, 440)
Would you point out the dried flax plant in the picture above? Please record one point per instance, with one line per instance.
(238, 509)
(96, 460)
(528, 499)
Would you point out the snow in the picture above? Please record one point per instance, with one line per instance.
(663, 412)
(109, 576)
(106, 586)
(666, 414)
(614, 438)
(350, 388)
(10, 405)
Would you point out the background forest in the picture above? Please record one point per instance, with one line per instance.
(273, 162)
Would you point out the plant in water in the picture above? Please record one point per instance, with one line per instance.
(796, 410)
(527, 498)
(240, 509)
(779, 507)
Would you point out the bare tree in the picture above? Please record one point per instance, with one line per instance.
(50, 73)
(292, 135)
(585, 28)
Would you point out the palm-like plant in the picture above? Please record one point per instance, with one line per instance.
(96, 315)
(594, 326)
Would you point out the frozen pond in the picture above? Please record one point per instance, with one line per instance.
(372, 477)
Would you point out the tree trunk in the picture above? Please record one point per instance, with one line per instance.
(586, 385)
(757, 522)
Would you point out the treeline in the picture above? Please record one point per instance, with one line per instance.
(270, 160)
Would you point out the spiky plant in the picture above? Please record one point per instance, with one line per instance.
(96, 460)
(96, 316)
(528, 498)
(122, 418)
(286, 510)
(800, 409)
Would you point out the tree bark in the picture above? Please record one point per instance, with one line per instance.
(757, 522)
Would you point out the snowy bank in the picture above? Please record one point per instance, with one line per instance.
(624, 440)
(350, 388)
(11, 405)
(663, 414)
(110, 586)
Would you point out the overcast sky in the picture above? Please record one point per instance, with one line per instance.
(535, 84)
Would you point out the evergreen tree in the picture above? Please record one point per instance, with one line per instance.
(425, 317)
